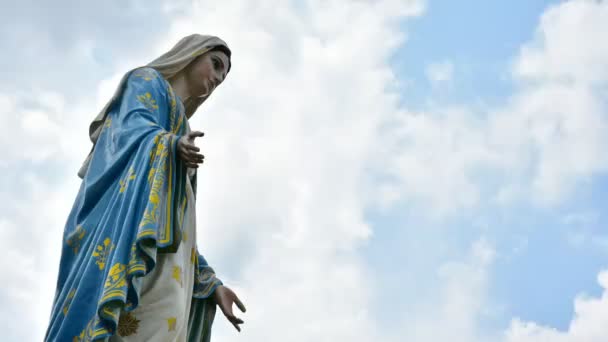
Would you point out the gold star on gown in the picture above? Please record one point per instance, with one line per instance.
(171, 322)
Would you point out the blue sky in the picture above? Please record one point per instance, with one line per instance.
(480, 38)
(540, 281)
(467, 203)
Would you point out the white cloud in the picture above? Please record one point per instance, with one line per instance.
(453, 312)
(558, 53)
(68, 45)
(311, 185)
(295, 141)
(283, 189)
(32, 223)
(289, 138)
(39, 180)
(548, 138)
(589, 324)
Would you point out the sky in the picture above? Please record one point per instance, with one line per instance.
(376, 170)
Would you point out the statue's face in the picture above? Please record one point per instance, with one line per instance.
(207, 72)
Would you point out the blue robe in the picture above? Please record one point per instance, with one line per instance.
(129, 208)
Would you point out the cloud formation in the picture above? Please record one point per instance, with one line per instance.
(303, 139)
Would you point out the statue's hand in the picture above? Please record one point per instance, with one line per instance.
(225, 297)
(188, 152)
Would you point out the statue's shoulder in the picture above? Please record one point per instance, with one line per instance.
(147, 74)
(148, 79)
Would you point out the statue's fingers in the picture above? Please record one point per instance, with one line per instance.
(227, 310)
(236, 321)
(236, 326)
(189, 155)
(239, 304)
(192, 147)
(195, 134)
(185, 157)
(193, 156)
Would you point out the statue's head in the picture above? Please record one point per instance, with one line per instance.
(204, 60)
(207, 71)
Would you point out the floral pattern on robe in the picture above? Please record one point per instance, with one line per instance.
(129, 210)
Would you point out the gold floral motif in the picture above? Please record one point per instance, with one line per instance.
(130, 176)
(175, 126)
(80, 338)
(153, 150)
(148, 101)
(146, 74)
(172, 104)
(89, 332)
(68, 301)
(128, 324)
(159, 151)
(111, 312)
(135, 263)
(74, 240)
(151, 174)
(177, 275)
(133, 253)
(115, 282)
(107, 123)
(149, 226)
(193, 255)
(171, 322)
(102, 252)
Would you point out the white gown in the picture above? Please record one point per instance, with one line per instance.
(163, 311)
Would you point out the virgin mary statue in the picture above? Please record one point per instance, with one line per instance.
(130, 268)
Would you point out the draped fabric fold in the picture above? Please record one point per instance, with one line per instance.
(129, 209)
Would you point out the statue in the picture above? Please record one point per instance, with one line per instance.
(130, 268)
